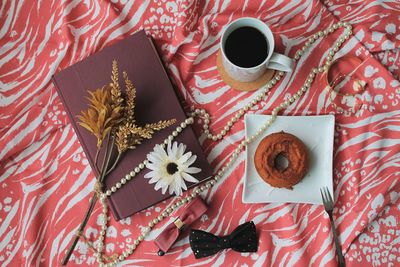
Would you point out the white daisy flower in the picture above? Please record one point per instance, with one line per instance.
(170, 169)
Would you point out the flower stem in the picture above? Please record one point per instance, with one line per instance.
(115, 163)
(93, 200)
(96, 158)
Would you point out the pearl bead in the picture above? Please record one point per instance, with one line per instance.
(230, 123)
(175, 133)
(160, 218)
(189, 120)
(155, 221)
(223, 132)
(340, 23)
(118, 185)
(136, 242)
(151, 224)
(183, 124)
(123, 181)
(141, 166)
(209, 136)
(140, 238)
(132, 174)
(197, 111)
(214, 138)
(113, 189)
(137, 169)
(193, 195)
(170, 137)
(121, 258)
(179, 129)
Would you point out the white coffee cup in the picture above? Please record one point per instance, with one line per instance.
(272, 61)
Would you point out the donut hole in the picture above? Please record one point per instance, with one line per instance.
(281, 162)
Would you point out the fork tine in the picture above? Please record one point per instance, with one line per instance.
(329, 195)
(322, 195)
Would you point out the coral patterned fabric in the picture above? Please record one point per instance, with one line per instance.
(46, 182)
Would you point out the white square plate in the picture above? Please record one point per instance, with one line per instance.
(316, 132)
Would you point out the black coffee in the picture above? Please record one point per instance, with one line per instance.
(246, 47)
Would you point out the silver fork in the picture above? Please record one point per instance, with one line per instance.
(328, 204)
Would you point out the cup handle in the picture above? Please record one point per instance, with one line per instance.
(280, 62)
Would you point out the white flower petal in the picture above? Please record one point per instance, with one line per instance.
(169, 148)
(178, 190)
(158, 186)
(153, 180)
(181, 150)
(174, 150)
(160, 152)
(183, 184)
(193, 170)
(150, 174)
(189, 178)
(190, 161)
(171, 190)
(185, 157)
(154, 158)
(164, 189)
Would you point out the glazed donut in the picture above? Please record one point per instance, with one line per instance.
(271, 150)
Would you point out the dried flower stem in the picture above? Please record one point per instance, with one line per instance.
(93, 200)
(96, 158)
(115, 163)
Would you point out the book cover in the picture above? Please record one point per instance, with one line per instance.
(155, 100)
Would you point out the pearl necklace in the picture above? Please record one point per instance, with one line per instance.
(206, 120)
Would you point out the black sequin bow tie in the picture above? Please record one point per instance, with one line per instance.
(242, 239)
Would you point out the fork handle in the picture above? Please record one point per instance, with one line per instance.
(337, 244)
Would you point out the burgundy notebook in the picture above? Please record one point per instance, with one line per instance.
(155, 100)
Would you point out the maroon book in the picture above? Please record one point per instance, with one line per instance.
(155, 100)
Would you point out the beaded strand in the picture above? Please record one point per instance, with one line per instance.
(264, 91)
